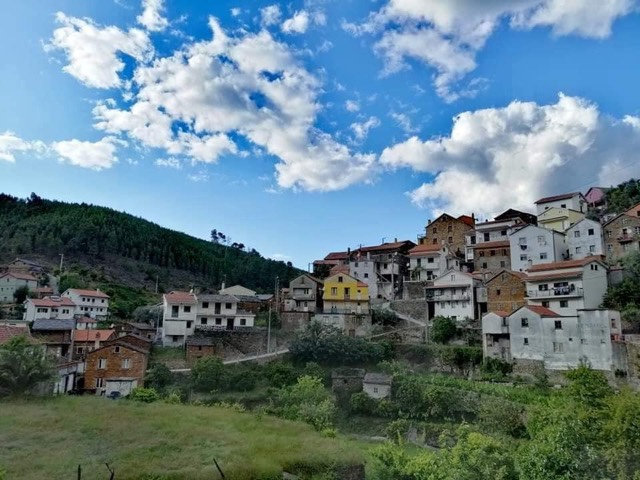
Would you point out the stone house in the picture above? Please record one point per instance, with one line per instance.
(583, 239)
(12, 281)
(86, 340)
(492, 256)
(132, 339)
(506, 291)
(304, 295)
(621, 236)
(145, 330)
(237, 290)
(7, 332)
(199, 347)
(55, 334)
(634, 211)
(20, 265)
(449, 231)
(377, 385)
(347, 380)
(115, 367)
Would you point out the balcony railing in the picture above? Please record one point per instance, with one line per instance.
(625, 238)
(556, 292)
(448, 297)
(221, 328)
(303, 296)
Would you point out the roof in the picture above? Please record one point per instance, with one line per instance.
(424, 248)
(265, 296)
(500, 313)
(337, 256)
(86, 319)
(520, 275)
(20, 276)
(555, 198)
(123, 340)
(467, 219)
(378, 378)
(48, 324)
(339, 269)
(244, 312)
(200, 341)
(142, 326)
(52, 302)
(385, 246)
(91, 335)
(119, 343)
(28, 262)
(543, 267)
(497, 243)
(554, 276)
(542, 311)
(88, 293)
(218, 298)
(511, 214)
(7, 332)
(180, 297)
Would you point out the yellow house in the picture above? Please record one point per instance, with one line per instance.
(559, 219)
(345, 294)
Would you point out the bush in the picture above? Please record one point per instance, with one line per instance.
(385, 408)
(144, 395)
(502, 416)
(443, 329)
(362, 403)
(495, 369)
(397, 430)
(158, 377)
(173, 399)
(280, 374)
(208, 374)
(312, 369)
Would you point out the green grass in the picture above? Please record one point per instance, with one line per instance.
(49, 438)
(161, 354)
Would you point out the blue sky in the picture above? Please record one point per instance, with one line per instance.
(305, 127)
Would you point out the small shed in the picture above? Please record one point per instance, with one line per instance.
(347, 379)
(200, 347)
(123, 385)
(377, 385)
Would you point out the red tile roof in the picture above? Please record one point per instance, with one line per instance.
(500, 313)
(543, 267)
(362, 284)
(555, 198)
(52, 302)
(339, 269)
(520, 275)
(20, 276)
(467, 219)
(8, 331)
(337, 256)
(180, 297)
(496, 244)
(553, 276)
(384, 246)
(86, 319)
(92, 335)
(89, 293)
(542, 311)
(424, 248)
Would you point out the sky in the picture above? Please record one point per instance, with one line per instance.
(311, 126)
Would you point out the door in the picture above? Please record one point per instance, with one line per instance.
(229, 323)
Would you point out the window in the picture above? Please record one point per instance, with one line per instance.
(435, 241)
(497, 291)
(625, 246)
(356, 264)
(503, 233)
(116, 349)
(525, 341)
(563, 205)
(435, 230)
(375, 389)
(545, 303)
(591, 232)
(442, 304)
(609, 248)
(450, 229)
(558, 347)
(608, 233)
(43, 310)
(203, 321)
(578, 249)
(524, 258)
(450, 239)
(175, 338)
(481, 253)
(492, 253)
(524, 322)
(558, 324)
(334, 290)
(541, 239)
(592, 248)
(126, 363)
(583, 341)
(637, 229)
(430, 260)
(486, 237)
(385, 266)
(543, 256)
(503, 264)
(564, 303)
(243, 321)
(613, 323)
(80, 350)
(366, 275)
(594, 266)
(576, 233)
(228, 306)
(99, 382)
(218, 321)
(102, 363)
(453, 277)
(543, 287)
(205, 304)
(340, 279)
(484, 265)
(186, 309)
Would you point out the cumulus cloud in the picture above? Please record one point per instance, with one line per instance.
(151, 17)
(296, 24)
(448, 35)
(404, 122)
(508, 157)
(92, 51)
(170, 162)
(352, 105)
(361, 130)
(270, 15)
(197, 100)
(94, 155)
(235, 12)
(10, 144)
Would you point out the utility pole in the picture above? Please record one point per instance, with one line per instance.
(157, 283)
(61, 260)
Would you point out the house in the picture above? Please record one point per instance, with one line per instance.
(86, 340)
(541, 336)
(7, 332)
(584, 238)
(596, 196)
(492, 256)
(452, 295)
(304, 295)
(42, 292)
(449, 231)
(532, 245)
(12, 281)
(55, 334)
(220, 312)
(506, 291)
(377, 385)
(132, 339)
(569, 286)
(66, 377)
(559, 219)
(178, 318)
(322, 267)
(117, 367)
(20, 265)
(144, 330)
(495, 335)
(346, 305)
(86, 323)
(427, 262)
(512, 214)
(634, 211)
(237, 290)
(348, 380)
(621, 236)
(90, 303)
(382, 267)
(571, 201)
(199, 347)
(49, 307)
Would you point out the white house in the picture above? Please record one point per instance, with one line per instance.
(453, 295)
(12, 281)
(90, 303)
(495, 336)
(237, 290)
(572, 201)
(377, 385)
(569, 286)
(220, 312)
(179, 317)
(584, 238)
(532, 245)
(49, 307)
(427, 262)
(562, 342)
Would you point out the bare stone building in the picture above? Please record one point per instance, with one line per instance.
(449, 231)
(621, 236)
(506, 291)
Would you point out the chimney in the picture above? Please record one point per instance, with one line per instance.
(473, 216)
(395, 240)
(96, 345)
(429, 222)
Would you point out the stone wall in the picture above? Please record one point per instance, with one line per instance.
(292, 321)
(413, 290)
(505, 292)
(413, 308)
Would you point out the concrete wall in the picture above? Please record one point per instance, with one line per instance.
(291, 321)
(585, 243)
(539, 243)
(413, 308)
(376, 391)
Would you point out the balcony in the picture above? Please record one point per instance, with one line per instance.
(303, 296)
(625, 238)
(446, 297)
(556, 292)
(222, 328)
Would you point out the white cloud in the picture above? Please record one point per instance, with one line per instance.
(352, 105)
(201, 176)
(270, 15)
(297, 24)
(10, 144)
(94, 155)
(151, 17)
(508, 157)
(448, 35)
(281, 257)
(92, 51)
(361, 130)
(193, 102)
(170, 162)
(404, 122)
(236, 11)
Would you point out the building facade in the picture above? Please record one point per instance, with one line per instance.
(452, 295)
(91, 303)
(506, 291)
(584, 239)
(450, 232)
(496, 341)
(559, 219)
(572, 201)
(178, 318)
(116, 367)
(428, 262)
(621, 237)
(221, 312)
(532, 245)
(304, 295)
(49, 307)
(492, 256)
(10, 282)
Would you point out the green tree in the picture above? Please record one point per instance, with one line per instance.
(158, 377)
(622, 434)
(588, 386)
(208, 374)
(21, 294)
(23, 366)
(443, 329)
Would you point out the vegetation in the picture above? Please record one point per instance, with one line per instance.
(623, 196)
(625, 296)
(158, 441)
(23, 367)
(443, 329)
(91, 235)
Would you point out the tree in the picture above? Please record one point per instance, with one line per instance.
(588, 386)
(23, 366)
(622, 434)
(158, 377)
(208, 374)
(443, 329)
(21, 294)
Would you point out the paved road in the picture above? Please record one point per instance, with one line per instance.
(240, 360)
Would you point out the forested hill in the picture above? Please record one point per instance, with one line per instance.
(127, 249)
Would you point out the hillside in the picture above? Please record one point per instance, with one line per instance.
(49, 439)
(115, 247)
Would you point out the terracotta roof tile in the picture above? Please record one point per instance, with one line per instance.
(553, 276)
(180, 297)
(20, 276)
(92, 335)
(557, 197)
(467, 219)
(52, 302)
(7, 332)
(337, 256)
(384, 246)
(542, 311)
(496, 244)
(424, 248)
(543, 267)
(89, 293)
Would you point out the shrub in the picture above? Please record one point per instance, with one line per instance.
(173, 399)
(385, 408)
(494, 368)
(313, 369)
(208, 374)
(144, 395)
(397, 430)
(280, 374)
(362, 403)
(443, 329)
(502, 416)
(158, 377)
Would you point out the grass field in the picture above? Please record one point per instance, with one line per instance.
(50, 438)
